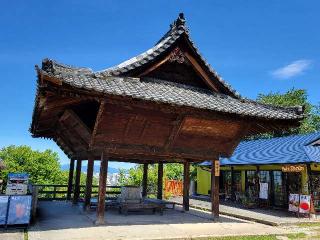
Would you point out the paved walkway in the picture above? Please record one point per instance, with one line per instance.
(11, 235)
(61, 221)
(266, 216)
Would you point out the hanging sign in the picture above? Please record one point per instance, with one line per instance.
(4, 200)
(216, 168)
(294, 200)
(304, 206)
(19, 210)
(293, 168)
(264, 189)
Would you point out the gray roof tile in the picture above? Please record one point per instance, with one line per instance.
(175, 94)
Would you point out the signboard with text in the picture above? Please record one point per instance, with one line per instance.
(217, 168)
(19, 210)
(293, 168)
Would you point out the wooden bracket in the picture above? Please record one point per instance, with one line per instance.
(96, 125)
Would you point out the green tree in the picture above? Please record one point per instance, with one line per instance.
(135, 174)
(295, 97)
(43, 167)
(172, 171)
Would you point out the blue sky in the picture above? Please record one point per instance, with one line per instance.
(256, 46)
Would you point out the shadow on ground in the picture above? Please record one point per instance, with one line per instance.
(63, 215)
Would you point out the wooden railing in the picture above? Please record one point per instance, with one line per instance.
(48, 192)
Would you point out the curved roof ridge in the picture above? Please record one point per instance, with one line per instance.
(55, 66)
(177, 29)
(145, 56)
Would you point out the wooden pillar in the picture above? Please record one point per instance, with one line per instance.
(160, 180)
(88, 190)
(76, 191)
(70, 180)
(214, 190)
(257, 181)
(310, 179)
(145, 180)
(233, 190)
(186, 185)
(272, 197)
(102, 189)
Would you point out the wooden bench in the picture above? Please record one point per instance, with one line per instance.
(145, 205)
(109, 203)
(165, 204)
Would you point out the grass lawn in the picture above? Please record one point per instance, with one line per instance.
(268, 237)
(312, 224)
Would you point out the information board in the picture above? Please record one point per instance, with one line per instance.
(19, 210)
(217, 168)
(264, 190)
(304, 206)
(294, 200)
(4, 200)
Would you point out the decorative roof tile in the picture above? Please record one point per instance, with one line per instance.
(177, 30)
(173, 93)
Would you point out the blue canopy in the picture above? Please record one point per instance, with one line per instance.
(281, 150)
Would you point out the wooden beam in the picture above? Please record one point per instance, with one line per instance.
(174, 132)
(102, 189)
(150, 152)
(76, 192)
(200, 71)
(158, 64)
(58, 102)
(88, 190)
(160, 180)
(70, 179)
(145, 180)
(97, 122)
(186, 185)
(214, 191)
(71, 123)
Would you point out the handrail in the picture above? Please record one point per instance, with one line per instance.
(59, 191)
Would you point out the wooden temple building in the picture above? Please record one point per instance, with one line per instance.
(164, 105)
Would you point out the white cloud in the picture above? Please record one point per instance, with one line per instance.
(293, 69)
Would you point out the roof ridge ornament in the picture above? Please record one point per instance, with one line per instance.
(180, 22)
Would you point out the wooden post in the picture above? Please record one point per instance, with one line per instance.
(145, 180)
(160, 180)
(88, 190)
(35, 192)
(233, 192)
(102, 189)
(186, 185)
(70, 180)
(54, 192)
(76, 192)
(214, 190)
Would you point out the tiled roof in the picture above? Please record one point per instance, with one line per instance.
(282, 150)
(167, 92)
(177, 30)
(111, 82)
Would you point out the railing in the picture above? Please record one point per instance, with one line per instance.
(59, 191)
